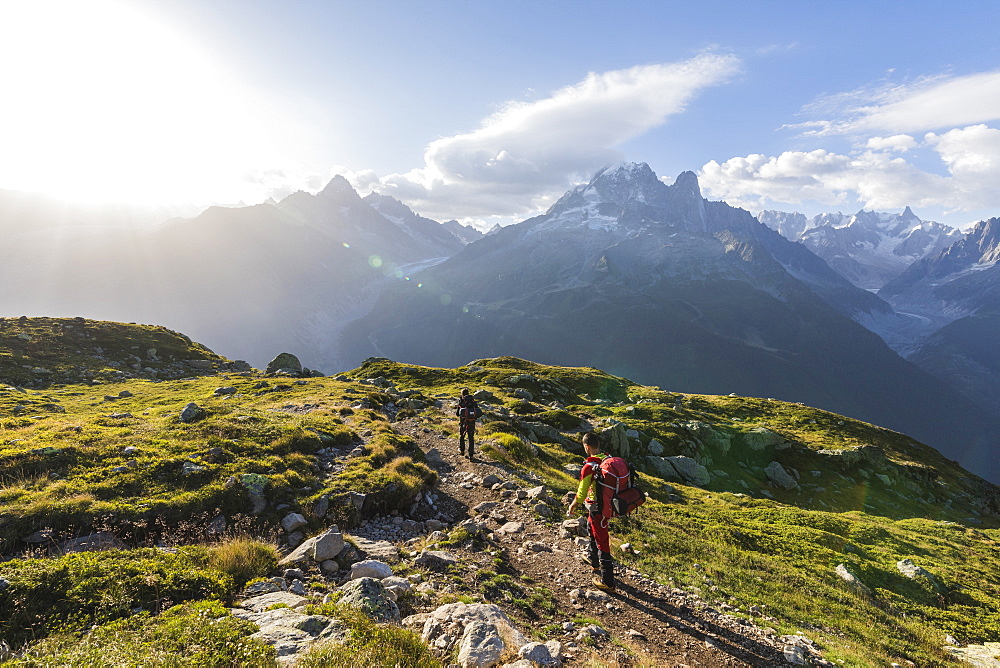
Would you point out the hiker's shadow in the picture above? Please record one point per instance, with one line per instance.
(737, 645)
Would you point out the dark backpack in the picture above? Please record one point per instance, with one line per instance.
(616, 481)
(468, 410)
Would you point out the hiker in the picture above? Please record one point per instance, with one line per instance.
(468, 413)
(599, 514)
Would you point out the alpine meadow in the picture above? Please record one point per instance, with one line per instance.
(499, 335)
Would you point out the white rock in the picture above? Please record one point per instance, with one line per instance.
(370, 568)
(293, 521)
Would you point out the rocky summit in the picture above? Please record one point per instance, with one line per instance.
(314, 521)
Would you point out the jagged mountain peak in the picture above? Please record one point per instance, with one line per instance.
(687, 182)
(630, 196)
(625, 183)
(870, 248)
(339, 188)
(624, 170)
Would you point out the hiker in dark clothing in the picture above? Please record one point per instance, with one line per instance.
(468, 413)
(599, 514)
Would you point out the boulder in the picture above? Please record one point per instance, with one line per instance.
(371, 597)
(543, 509)
(914, 572)
(615, 441)
(709, 436)
(271, 586)
(286, 362)
(777, 474)
(397, 585)
(481, 646)
(485, 506)
(761, 438)
(370, 568)
(481, 632)
(293, 521)
(328, 545)
(871, 455)
(655, 447)
(436, 559)
(577, 527)
(191, 412)
(542, 654)
(291, 632)
(537, 493)
(852, 580)
(100, 540)
(512, 527)
(321, 507)
(680, 468)
(544, 433)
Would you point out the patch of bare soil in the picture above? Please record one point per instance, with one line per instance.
(649, 624)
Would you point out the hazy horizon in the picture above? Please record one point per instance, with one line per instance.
(489, 112)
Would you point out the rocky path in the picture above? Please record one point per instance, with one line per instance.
(648, 624)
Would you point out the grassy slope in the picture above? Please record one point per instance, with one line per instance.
(57, 471)
(740, 549)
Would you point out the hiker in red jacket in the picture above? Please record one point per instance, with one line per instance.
(599, 514)
(468, 413)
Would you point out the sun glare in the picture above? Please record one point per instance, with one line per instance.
(102, 102)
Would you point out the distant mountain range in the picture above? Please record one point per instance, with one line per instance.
(943, 284)
(645, 280)
(251, 280)
(655, 283)
(961, 284)
(868, 248)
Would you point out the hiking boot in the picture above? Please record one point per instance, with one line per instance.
(585, 560)
(607, 572)
(601, 584)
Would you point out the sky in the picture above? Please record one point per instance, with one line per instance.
(487, 112)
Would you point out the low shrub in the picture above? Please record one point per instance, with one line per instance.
(560, 419)
(509, 448)
(243, 559)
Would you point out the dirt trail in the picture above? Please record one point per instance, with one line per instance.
(659, 626)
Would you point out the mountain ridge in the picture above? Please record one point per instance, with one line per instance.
(868, 248)
(617, 276)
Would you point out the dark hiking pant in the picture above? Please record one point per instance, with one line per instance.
(467, 429)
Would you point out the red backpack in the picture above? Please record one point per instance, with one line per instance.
(618, 492)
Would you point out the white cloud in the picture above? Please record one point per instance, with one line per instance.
(880, 121)
(872, 179)
(901, 143)
(931, 103)
(972, 155)
(793, 176)
(528, 154)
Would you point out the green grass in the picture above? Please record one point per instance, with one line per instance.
(74, 592)
(190, 635)
(63, 467)
(369, 644)
(70, 471)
